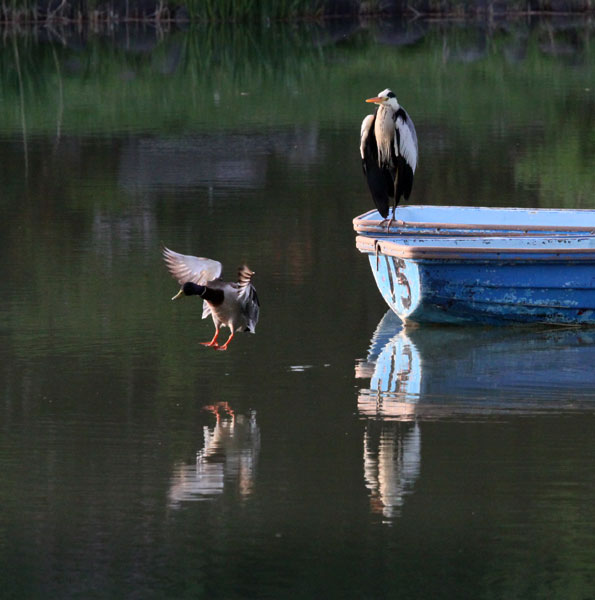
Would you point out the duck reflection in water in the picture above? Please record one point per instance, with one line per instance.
(228, 457)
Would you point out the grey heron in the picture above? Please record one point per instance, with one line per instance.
(388, 146)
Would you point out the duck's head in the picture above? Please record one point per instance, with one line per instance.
(190, 289)
(385, 98)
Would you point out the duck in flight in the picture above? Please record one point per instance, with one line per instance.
(388, 147)
(230, 304)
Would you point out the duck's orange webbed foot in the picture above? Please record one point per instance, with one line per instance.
(213, 342)
(224, 346)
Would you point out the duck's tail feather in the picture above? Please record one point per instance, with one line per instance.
(245, 275)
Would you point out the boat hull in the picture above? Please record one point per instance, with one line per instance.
(485, 285)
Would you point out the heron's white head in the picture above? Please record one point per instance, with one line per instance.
(385, 98)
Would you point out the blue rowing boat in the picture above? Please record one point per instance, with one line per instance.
(487, 279)
(477, 220)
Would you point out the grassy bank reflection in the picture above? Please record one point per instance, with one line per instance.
(521, 89)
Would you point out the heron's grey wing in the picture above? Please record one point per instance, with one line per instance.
(406, 138)
(367, 125)
(380, 181)
(196, 269)
(406, 153)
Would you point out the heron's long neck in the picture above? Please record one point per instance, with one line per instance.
(384, 130)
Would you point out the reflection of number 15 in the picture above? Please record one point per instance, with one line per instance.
(403, 374)
(402, 280)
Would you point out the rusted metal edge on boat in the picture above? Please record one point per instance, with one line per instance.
(398, 250)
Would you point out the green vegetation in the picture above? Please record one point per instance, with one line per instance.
(100, 11)
(189, 80)
(251, 10)
(97, 12)
(530, 86)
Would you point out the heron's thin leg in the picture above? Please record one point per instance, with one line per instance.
(390, 221)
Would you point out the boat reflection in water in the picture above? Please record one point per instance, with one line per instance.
(228, 457)
(392, 449)
(447, 372)
(394, 369)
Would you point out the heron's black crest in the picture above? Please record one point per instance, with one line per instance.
(391, 95)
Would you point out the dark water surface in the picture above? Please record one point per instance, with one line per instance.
(335, 454)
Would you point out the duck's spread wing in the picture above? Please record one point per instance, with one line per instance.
(196, 269)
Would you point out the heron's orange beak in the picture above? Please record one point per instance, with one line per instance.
(377, 100)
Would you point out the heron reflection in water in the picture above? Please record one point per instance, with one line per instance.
(228, 457)
(392, 458)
